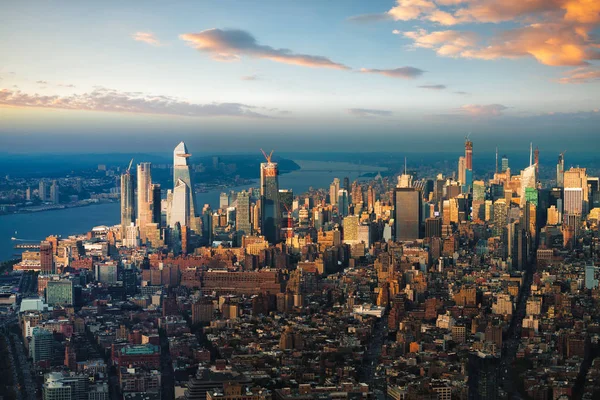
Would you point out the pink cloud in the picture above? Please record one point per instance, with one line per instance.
(146, 37)
(487, 110)
(581, 75)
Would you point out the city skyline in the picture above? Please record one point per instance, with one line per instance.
(332, 71)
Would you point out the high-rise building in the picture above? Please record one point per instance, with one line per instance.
(181, 170)
(223, 200)
(528, 181)
(346, 184)
(144, 198)
(500, 216)
(407, 214)
(43, 190)
(59, 292)
(46, 257)
(483, 376)
(334, 188)
(342, 203)
(243, 217)
(54, 193)
(127, 202)
(469, 154)
(433, 227)
(156, 204)
(573, 202)
(560, 171)
(55, 389)
(590, 278)
(42, 342)
(576, 178)
(180, 206)
(462, 170)
(351, 229)
(269, 199)
(504, 163)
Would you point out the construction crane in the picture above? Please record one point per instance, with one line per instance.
(267, 157)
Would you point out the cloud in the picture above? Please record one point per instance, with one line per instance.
(487, 110)
(402, 72)
(66, 85)
(366, 18)
(368, 113)
(462, 93)
(232, 44)
(108, 100)
(146, 37)
(433, 87)
(42, 82)
(554, 32)
(445, 43)
(250, 78)
(581, 75)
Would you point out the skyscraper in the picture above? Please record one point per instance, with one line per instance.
(469, 154)
(560, 170)
(576, 178)
(127, 202)
(504, 163)
(180, 206)
(181, 171)
(334, 188)
(528, 181)
(407, 214)
(462, 170)
(156, 203)
(243, 225)
(269, 198)
(144, 198)
(342, 202)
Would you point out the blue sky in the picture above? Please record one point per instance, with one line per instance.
(231, 75)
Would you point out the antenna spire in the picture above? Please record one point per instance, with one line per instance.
(404, 165)
(496, 159)
(530, 153)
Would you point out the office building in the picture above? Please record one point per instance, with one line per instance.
(576, 178)
(180, 206)
(504, 163)
(462, 170)
(59, 292)
(269, 200)
(342, 203)
(483, 376)
(528, 181)
(41, 345)
(407, 214)
(181, 171)
(144, 198)
(243, 217)
(334, 188)
(573, 201)
(433, 227)
(590, 277)
(46, 257)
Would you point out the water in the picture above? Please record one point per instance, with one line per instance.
(70, 221)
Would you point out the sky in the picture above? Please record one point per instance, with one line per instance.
(234, 76)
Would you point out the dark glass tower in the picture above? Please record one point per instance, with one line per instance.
(269, 200)
(407, 214)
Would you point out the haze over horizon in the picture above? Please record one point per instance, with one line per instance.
(404, 75)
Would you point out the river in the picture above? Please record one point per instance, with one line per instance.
(69, 221)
